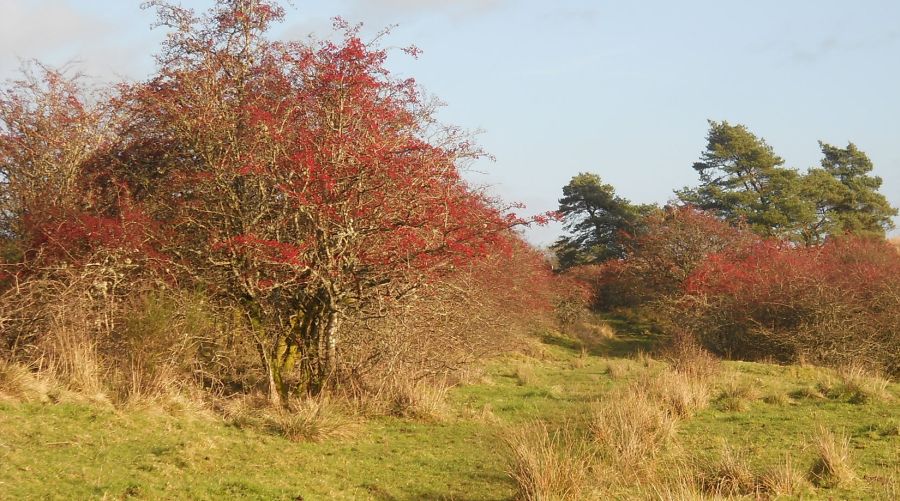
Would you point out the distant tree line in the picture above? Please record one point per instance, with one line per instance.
(742, 181)
(759, 261)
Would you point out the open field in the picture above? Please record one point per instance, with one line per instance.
(760, 412)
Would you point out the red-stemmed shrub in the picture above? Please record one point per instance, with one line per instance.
(837, 303)
(672, 242)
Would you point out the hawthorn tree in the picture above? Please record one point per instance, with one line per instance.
(50, 137)
(675, 241)
(300, 181)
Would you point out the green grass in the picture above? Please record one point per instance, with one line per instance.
(66, 450)
(767, 431)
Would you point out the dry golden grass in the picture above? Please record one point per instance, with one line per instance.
(736, 394)
(309, 420)
(678, 490)
(679, 393)
(524, 374)
(855, 384)
(644, 359)
(729, 474)
(618, 368)
(807, 392)
(424, 400)
(631, 429)
(547, 466)
(18, 383)
(71, 356)
(777, 398)
(686, 356)
(480, 414)
(580, 361)
(598, 329)
(785, 480)
(832, 466)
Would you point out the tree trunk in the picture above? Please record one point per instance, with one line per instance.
(310, 346)
(269, 361)
(331, 341)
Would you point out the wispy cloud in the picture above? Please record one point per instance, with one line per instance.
(63, 31)
(457, 10)
(831, 44)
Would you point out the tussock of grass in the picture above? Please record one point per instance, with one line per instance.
(890, 428)
(19, 383)
(807, 393)
(72, 358)
(482, 414)
(785, 480)
(524, 374)
(600, 329)
(424, 400)
(832, 466)
(687, 357)
(856, 385)
(631, 428)
(14, 379)
(618, 368)
(680, 393)
(777, 398)
(729, 474)
(644, 359)
(736, 394)
(547, 465)
(684, 489)
(310, 420)
(581, 360)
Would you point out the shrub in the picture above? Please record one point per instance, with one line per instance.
(672, 243)
(311, 232)
(836, 304)
(473, 313)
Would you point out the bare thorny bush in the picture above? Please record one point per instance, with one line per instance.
(435, 336)
(102, 330)
(97, 331)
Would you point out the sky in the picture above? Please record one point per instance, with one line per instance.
(622, 89)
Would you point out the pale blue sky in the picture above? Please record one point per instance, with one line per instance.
(622, 89)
